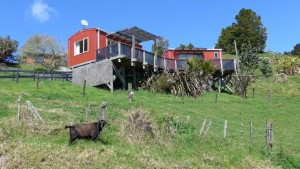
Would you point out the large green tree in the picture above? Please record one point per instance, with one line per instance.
(296, 50)
(248, 29)
(46, 50)
(161, 46)
(7, 48)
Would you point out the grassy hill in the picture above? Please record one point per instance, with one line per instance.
(122, 145)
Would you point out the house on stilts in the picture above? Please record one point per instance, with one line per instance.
(116, 59)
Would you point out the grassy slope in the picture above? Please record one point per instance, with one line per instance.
(61, 103)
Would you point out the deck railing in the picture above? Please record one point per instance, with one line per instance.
(123, 50)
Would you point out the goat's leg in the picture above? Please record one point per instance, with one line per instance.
(95, 135)
(73, 135)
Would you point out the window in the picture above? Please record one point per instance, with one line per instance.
(216, 55)
(187, 56)
(81, 46)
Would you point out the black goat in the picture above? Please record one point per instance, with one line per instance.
(90, 130)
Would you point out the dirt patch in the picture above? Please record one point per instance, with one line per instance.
(2, 160)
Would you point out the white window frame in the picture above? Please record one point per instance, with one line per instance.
(216, 54)
(77, 50)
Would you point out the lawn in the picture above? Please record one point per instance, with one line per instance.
(175, 123)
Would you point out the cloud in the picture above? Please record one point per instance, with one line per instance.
(41, 11)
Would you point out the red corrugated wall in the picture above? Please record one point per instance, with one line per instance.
(92, 35)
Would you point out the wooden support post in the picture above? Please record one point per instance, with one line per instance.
(202, 128)
(253, 92)
(19, 110)
(37, 81)
(17, 76)
(251, 133)
(83, 91)
(50, 76)
(134, 78)
(225, 129)
(123, 75)
(269, 135)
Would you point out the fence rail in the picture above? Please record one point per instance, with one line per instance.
(123, 50)
(17, 74)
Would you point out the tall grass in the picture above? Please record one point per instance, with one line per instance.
(61, 103)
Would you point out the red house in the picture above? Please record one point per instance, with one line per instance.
(129, 62)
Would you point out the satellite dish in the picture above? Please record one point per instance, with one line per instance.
(84, 23)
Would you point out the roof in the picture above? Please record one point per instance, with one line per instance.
(139, 34)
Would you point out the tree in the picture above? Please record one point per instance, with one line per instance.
(7, 48)
(248, 61)
(46, 51)
(296, 50)
(161, 46)
(248, 30)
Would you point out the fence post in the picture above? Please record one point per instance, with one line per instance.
(37, 81)
(19, 109)
(253, 92)
(44, 76)
(50, 75)
(242, 132)
(209, 124)
(269, 133)
(34, 76)
(202, 128)
(251, 133)
(17, 76)
(176, 123)
(83, 91)
(14, 76)
(130, 93)
(225, 129)
(62, 76)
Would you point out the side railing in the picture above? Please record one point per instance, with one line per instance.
(148, 58)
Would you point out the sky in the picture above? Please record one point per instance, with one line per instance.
(179, 21)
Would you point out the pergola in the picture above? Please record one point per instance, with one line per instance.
(134, 35)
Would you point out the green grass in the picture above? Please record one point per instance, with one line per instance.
(61, 103)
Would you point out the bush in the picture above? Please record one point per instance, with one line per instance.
(265, 67)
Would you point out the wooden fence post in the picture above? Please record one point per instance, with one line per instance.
(269, 134)
(44, 76)
(188, 118)
(83, 91)
(251, 133)
(176, 123)
(37, 80)
(62, 76)
(225, 129)
(19, 109)
(209, 124)
(130, 93)
(17, 76)
(14, 76)
(202, 128)
(50, 75)
(242, 132)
